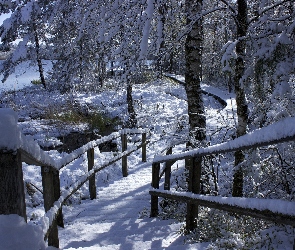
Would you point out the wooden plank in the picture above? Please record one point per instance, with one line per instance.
(195, 175)
(194, 187)
(191, 216)
(92, 186)
(49, 199)
(143, 147)
(124, 158)
(27, 158)
(56, 190)
(168, 171)
(12, 194)
(155, 184)
(259, 214)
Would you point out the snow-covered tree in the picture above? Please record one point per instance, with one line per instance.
(26, 27)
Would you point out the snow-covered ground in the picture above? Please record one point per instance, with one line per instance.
(22, 77)
(119, 218)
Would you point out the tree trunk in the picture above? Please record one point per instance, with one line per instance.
(193, 77)
(193, 73)
(132, 122)
(242, 107)
(39, 61)
(162, 9)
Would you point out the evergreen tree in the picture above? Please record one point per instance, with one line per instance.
(26, 23)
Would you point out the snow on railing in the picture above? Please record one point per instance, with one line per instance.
(19, 148)
(127, 131)
(274, 205)
(281, 131)
(11, 138)
(275, 210)
(9, 132)
(47, 219)
(33, 150)
(80, 151)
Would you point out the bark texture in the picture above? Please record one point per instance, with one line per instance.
(132, 122)
(39, 60)
(12, 194)
(196, 112)
(193, 72)
(162, 10)
(242, 107)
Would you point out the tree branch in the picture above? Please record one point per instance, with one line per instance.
(268, 8)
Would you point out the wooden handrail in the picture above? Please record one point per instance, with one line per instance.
(67, 192)
(265, 214)
(241, 143)
(16, 147)
(276, 133)
(28, 158)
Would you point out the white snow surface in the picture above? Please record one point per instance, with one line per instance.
(47, 220)
(9, 132)
(119, 217)
(16, 234)
(11, 138)
(23, 75)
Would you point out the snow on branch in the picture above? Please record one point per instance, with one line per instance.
(146, 30)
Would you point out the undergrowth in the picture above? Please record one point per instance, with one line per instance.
(229, 231)
(96, 120)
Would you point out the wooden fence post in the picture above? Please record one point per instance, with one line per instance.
(155, 184)
(124, 158)
(144, 147)
(92, 186)
(56, 186)
(168, 171)
(49, 199)
(12, 195)
(194, 187)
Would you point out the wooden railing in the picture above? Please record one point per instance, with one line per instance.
(258, 208)
(18, 148)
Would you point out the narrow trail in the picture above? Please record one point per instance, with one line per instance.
(119, 219)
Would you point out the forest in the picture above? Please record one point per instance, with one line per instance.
(245, 48)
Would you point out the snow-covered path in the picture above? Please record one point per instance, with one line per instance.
(119, 219)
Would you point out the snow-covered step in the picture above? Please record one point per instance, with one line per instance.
(119, 218)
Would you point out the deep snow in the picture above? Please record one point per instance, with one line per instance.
(119, 218)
